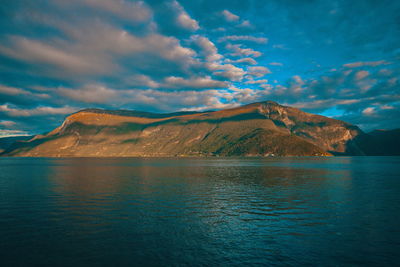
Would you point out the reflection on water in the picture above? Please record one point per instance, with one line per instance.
(283, 211)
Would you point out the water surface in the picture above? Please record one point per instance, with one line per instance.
(207, 211)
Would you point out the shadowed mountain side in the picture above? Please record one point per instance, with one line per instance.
(258, 129)
(7, 142)
(380, 143)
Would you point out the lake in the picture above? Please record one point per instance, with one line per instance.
(201, 211)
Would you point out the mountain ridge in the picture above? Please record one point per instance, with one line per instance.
(257, 129)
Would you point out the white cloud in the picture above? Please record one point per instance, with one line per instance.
(140, 80)
(7, 123)
(258, 71)
(183, 19)
(193, 83)
(239, 51)
(256, 81)
(260, 40)
(229, 16)
(90, 94)
(10, 133)
(369, 111)
(94, 50)
(208, 49)
(245, 60)
(37, 52)
(11, 90)
(366, 63)
(245, 24)
(361, 75)
(276, 64)
(229, 71)
(38, 111)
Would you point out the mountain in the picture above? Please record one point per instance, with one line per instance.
(6, 142)
(258, 129)
(380, 143)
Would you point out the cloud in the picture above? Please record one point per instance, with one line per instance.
(229, 16)
(136, 11)
(245, 24)
(183, 19)
(361, 74)
(38, 111)
(37, 52)
(276, 64)
(89, 94)
(20, 96)
(256, 81)
(368, 111)
(239, 51)
(140, 80)
(260, 40)
(193, 83)
(245, 60)
(366, 64)
(11, 90)
(229, 71)
(7, 123)
(258, 71)
(208, 49)
(97, 50)
(279, 46)
(154, 56)
(10, 133)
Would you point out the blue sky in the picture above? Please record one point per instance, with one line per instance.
(336, 58)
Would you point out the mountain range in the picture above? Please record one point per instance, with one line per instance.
(258, 129)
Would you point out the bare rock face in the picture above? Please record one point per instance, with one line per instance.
(259, 129)
(331, 135)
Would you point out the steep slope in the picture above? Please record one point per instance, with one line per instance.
(258, 129)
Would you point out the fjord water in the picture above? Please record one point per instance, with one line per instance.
(206, 211)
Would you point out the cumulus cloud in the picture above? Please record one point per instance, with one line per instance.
(208, 49)
(238, 50)
(260, 40)
(229, 16)
(140, 80)
(183, 19)
(258, 71)
(96, 50)
(228, 71)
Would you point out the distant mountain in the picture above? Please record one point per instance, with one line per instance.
(258, 129)
(6, 142)
(380, 142)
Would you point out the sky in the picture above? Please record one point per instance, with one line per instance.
(337, 58)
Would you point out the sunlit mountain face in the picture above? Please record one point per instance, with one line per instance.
(340, 59)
